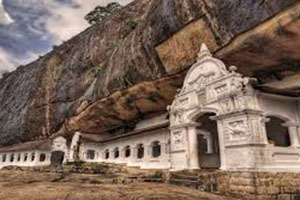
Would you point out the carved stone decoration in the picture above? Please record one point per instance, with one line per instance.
(59, 144)
(237, 84)
(201, 86)
(226, 106)
(240, 102)
(236, 129)
(208, 84)
(178, 140)
(201, 98)
(176, 117)
(206, 70)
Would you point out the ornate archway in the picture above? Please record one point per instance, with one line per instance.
(59, 151)
(210, 88)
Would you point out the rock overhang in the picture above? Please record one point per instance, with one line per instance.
(142, 76)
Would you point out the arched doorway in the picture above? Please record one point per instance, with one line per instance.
(57, 158)
(208, 142)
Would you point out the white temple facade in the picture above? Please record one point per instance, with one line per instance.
(218, 120)
(242, 128)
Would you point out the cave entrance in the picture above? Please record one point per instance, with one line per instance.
(208, 142)
(57, 159)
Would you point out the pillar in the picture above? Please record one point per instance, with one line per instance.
(221, 146)
(298, 132)
(294, 137)
(210, 143)
(147, 151)
(193, 148)
(163, 148)
(264, 120)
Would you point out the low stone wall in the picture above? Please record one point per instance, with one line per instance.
(245, 185)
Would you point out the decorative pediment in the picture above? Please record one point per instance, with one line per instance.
(210, 86)
(206, 70)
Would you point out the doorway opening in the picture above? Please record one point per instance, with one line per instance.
(208, 142)
(57, 158)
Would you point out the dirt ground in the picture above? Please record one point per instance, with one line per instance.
(25, 185)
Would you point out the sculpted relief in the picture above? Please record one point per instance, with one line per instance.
(236, 129)
(59, 144)
(178, 141)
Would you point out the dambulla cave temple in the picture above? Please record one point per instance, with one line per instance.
(192, 85)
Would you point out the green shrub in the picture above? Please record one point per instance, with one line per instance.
(98, 69)
(132, 23)
(157, 174)
(117, 43)
(100, 13)
(96, 166)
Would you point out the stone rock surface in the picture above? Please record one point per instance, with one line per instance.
(114, 73)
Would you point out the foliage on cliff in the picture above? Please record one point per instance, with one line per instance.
(100, 12)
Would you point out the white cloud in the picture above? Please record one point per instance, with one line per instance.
(59, 20)
(5, 19)
(6, 64)
(9, 63)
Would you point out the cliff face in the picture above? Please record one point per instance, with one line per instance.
(133, 62)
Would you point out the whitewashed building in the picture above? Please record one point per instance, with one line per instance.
(27, 154)
(218, 120)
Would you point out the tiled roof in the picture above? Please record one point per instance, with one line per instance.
(33, 145)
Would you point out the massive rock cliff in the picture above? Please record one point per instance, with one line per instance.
(131, 64)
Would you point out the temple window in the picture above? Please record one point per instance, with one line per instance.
(277, 134)
(127, 151)
(140, 151)
(116, 152)
(12, 157)
(42, 157)
(4, 158)
(90, 155)
(25, 157)
(19, 157)
(106, 154)
(156, 149)
(32, 156)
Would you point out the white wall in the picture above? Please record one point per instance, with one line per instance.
(29, 162)
(147, 162)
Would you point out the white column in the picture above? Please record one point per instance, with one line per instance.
(147, 151)
(294, 138)
(210, 144)
(131, 158)
(221, 145)
(163, 148)
(264, 131)
(193, 148)
(298, 132)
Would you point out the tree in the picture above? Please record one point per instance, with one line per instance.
(100, 13)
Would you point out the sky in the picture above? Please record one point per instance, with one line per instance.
(30, 28)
